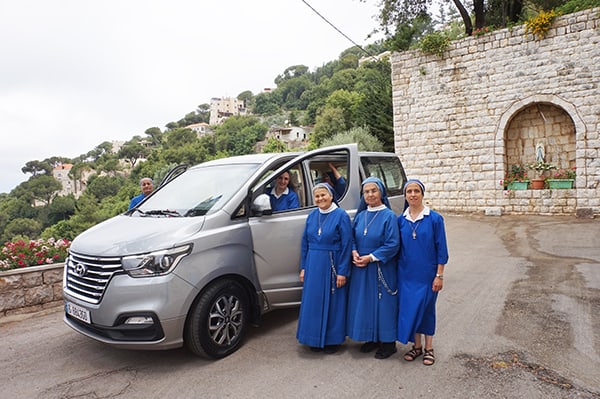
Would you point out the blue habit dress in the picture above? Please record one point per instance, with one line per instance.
(372, 299)
(419, 256)
(287, 200)
(322, 319)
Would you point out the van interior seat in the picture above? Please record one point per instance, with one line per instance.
(297, 186)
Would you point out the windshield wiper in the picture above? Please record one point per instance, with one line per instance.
(161, 212)
(196, 212)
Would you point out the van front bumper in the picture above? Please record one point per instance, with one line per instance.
(135, 313)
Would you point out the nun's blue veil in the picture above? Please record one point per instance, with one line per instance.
(363, 205)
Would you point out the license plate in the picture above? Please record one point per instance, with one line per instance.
(78, 312)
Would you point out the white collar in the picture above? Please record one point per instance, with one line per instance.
(377, 208)
(424, 212)
(332, 208)
(285, 192)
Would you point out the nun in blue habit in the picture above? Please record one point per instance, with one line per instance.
(372, 295)
(325, 267)
(423, 256)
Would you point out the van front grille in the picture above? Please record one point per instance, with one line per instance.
(87, 277)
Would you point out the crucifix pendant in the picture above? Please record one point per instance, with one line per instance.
(365, 232)
(319, 232)
(414, 235)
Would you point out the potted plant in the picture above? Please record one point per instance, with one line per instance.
(541, 167)
(562, 178)
(516, 178)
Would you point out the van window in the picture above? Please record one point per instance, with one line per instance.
(296, 185)
(197, 192)
(388, 170)
(332, 169)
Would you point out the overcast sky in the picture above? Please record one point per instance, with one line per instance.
(76, 73)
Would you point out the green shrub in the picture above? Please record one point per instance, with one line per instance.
(576, 5)
(434, 43)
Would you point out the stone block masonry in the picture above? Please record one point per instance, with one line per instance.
(462, 119)
(30, 289)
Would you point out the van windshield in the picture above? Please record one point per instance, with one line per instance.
(198, 191)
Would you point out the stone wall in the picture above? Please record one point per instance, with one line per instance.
(30, 289)
(462, 119)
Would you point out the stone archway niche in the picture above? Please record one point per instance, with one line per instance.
(544, 120)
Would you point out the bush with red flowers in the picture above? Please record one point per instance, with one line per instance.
(19, 254)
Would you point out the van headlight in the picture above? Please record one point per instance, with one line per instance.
(155, 263)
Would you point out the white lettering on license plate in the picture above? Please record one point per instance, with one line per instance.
(78, 312)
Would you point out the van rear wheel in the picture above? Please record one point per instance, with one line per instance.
(217, 322)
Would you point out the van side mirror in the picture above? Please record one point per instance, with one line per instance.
(262, 205)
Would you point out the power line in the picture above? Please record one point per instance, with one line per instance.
(336, 28)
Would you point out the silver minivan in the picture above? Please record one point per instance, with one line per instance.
(198, 261)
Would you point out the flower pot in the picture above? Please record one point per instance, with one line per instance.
(537, 184)
(560, 183)
(517, 185)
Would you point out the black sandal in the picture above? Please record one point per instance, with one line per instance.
(413, 354)
(428, 357)
(386, 350)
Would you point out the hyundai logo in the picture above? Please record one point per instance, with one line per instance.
(80, 270)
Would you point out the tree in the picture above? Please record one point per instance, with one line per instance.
(77, 173)
(155, 136)
(291, 72)
(201, 114)
(13, 207)
(104, 186)
(60, 209)
(62, 229)
(274, 145)
(376, 108)
(348, 102)
(109, 165)
(330, 122)
(246, 139)
(291, 92)
(293, 118)
(37, 168)
(238, 135)
(267, 103)
(409, 33)
(190, 154)
(132, 151)
(171, 125)
(29, 228)
(342, 80)
(86, 215)
(43, 188)
(247, 97)
(101, 150)
(180, 137)
(360, 135)
(394, 13)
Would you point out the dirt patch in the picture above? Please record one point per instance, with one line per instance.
(535, 315)
(511, 366)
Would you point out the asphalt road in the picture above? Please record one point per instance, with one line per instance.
(518, 317)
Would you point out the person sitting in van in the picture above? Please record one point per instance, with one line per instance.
(147, 186)
(282, 197)
(335, 180)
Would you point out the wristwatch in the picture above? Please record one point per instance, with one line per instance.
(440, 276)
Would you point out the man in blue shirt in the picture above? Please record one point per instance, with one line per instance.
(147, 186)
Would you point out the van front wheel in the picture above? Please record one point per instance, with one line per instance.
(217, 321)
